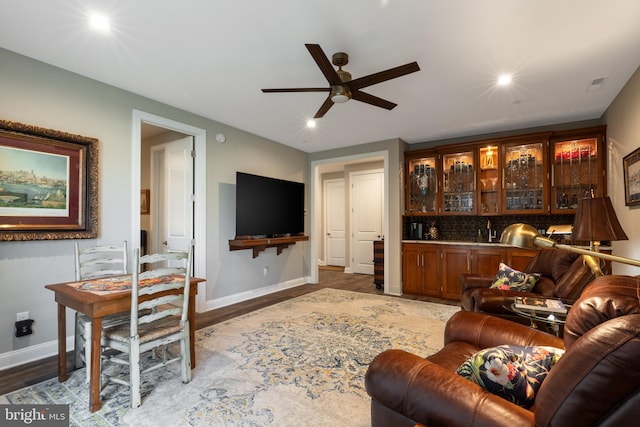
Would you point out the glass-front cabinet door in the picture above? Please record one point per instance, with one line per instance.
(422, 185)
(525, 176)
(459, 183)
(577, 168)
(489, 188)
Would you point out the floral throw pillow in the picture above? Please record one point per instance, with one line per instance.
(514, 373)
(509, 279)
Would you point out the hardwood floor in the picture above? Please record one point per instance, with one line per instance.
(35, 372)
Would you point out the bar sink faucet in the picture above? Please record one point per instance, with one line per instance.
(492, 233)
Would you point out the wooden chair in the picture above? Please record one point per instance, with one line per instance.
(91, 263)
(165, 323)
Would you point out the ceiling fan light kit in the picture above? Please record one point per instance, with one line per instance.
(340, 94)
(341, 87)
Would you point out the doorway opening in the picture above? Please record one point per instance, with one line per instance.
(322, 170)
(156, 124)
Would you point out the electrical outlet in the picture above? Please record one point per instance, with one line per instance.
(265, 271)
(22, 316)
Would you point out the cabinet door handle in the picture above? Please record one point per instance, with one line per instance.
(553, 175)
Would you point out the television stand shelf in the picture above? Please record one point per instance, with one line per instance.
(259, 245)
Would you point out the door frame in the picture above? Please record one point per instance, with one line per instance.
(200, 190)
(316, 208)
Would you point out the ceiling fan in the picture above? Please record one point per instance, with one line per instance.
(342, 88)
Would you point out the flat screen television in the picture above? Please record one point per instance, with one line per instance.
(268, 207)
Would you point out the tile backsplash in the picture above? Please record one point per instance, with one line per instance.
(465, 228)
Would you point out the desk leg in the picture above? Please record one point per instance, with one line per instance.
(94, 379)
(192, 329)
(62, 343)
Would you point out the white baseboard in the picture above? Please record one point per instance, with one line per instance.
(32, 353)
(255, 293)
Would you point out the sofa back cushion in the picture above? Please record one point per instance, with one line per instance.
(571, 284)
(605, 298)
(597, 380)
(552, 263)
(566, 271)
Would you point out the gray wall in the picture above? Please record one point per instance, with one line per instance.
(41, 95)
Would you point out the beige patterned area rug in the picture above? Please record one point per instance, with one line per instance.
(299, 362)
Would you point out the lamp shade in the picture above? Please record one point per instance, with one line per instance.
(596, 220)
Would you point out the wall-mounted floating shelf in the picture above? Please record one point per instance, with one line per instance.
(259, 245)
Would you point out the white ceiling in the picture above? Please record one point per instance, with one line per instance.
(213, 57)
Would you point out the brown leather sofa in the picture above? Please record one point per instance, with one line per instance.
(564, 275)
(596, 381)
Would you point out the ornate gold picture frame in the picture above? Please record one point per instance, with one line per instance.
(48, 184)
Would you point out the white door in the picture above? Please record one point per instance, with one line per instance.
(335, 222)
(366, 212)
(174, 173)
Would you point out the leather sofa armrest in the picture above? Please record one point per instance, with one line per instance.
(486, 331)
(432, 395)
(469, 281)
(491, 301)
(496, 301)
(468, 284)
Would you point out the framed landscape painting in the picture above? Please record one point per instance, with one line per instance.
(48, 184)
(631, 166)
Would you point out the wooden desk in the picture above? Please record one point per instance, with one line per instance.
(96, 305)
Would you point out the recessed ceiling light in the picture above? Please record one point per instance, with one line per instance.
(311, 123)
(504, 80)
(99, 22)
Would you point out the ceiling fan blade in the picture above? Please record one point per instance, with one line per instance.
(328, 103)
(382, 76)
(373, 100)
(299, 89)
(323, 62)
